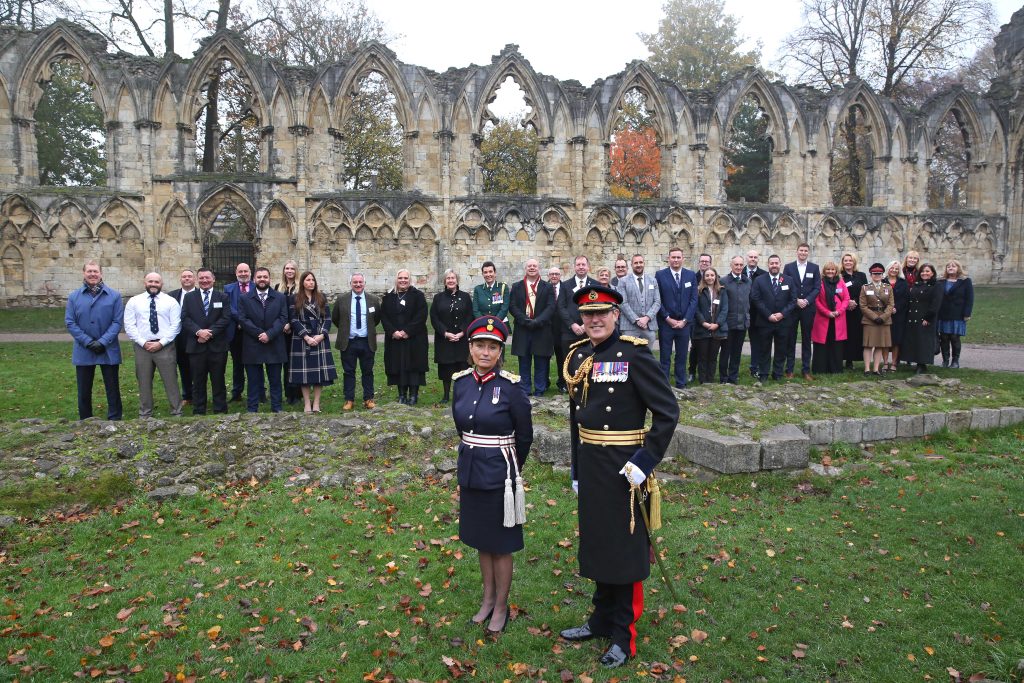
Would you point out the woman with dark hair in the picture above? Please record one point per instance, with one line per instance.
(288, 286)
(900, 292)
(450, 311)
(876, 305)
(923, 303)
(403, 315)
(957, 304)
(711, 327)
(854, 280)
(492, 415)
(829, 332)
(311, 361)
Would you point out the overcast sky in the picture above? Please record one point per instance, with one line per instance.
(569, 39)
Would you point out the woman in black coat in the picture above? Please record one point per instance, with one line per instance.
(923, 304)
(854, 280)
(957, 305)
(450, 311)
(403, 315)
(900, 292)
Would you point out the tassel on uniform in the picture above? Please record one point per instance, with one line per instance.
(520, 501)
(510, 506)
(655, 495)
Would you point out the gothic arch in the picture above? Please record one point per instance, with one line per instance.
(378, 218)
(268, 217)
(862, 96)
(967, 116)
(221, 46)
(374, 57)
(511, 63)
(639, 75)
(319, 112)
(58, 41)
(755, 84)
(13, 271)
(173, 217)
(638, 223)
(215, 201)
(418, 218)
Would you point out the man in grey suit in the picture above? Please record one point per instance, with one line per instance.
(641, 300)
(355, 317)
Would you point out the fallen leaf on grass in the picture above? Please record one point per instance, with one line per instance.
(106, 641)
(125, 613)
(698, 636)
(213, 632)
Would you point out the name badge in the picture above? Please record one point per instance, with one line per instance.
(784, 288)
(807, 275)
(687, 284)
(610, 372)
(371, 309)
(650, 286)
(496, 298)
(218, 304)
(714, 301)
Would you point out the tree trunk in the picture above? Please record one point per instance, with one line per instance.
(211, 139)
(168, 27)
(855, 194)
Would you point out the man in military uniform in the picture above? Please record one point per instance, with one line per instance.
(614, 381)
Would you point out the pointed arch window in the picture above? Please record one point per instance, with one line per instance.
(853, 160)
(373, 137)
(748, 153)
(634, 154)
(949, 166)
(508, 141)
(70, 131)
(229, 133)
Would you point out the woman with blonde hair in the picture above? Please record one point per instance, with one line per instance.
(911, 266)
(403, 316)
(450, 312)
(604, 276)
(854, 280)
(957, 304)
(829, 332)
(288, 286)
(900, 292)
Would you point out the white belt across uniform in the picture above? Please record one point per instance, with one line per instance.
(515, 504)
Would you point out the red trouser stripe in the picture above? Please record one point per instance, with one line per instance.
(638, 609)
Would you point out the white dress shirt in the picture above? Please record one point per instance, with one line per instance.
(136, 319)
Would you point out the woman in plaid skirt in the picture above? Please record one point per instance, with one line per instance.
(311, 363)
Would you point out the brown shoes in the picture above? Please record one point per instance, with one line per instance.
(349, 405)
(809, 377)
(369, 404)
(789, 375)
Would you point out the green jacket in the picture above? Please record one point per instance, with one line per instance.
(491, 300)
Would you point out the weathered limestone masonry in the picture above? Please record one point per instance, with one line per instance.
(157, 207)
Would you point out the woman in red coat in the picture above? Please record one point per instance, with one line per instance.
(829, 331)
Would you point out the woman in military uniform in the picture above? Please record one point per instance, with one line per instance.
(876, 305)
(614, 382)
(492, 416)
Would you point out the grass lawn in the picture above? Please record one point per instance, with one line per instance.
(905, 568)
(996, 318)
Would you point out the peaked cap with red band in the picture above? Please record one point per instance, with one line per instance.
(487, 327)
(596, 298)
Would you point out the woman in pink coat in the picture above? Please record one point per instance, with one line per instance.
(829, 331)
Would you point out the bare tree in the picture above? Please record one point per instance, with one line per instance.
(31, 14)
(829, 48)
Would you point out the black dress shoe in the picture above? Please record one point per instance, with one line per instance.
(613, 657)
(578, 633)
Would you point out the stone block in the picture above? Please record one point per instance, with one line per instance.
(1010, 416)
(934, 423)
(879, 428)
(958, 420)
(819, 431)
(909, 426)
(848, 430)
(551, 446)
(718, 452)
(984, 418)
(784, 447)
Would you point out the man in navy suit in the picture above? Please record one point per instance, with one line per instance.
(263, 313)
(241, 287)
(572, 324)
(774, 299)
(678, 288)
(805, 279)
(205, 322)
(752, 272)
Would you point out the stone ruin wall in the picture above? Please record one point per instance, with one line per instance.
(157, 207)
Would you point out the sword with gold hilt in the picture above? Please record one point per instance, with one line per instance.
(637, 495)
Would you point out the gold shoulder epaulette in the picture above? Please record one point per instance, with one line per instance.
(579, 343)
(511, 377)
(462, 373)
(636, 341)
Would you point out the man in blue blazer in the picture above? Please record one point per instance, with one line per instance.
(263, 313)
(805, 279)
(774, 299)
(678, 288)
(241, 287)
(94, 315)
(205, 322)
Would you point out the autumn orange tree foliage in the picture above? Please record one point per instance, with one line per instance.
(635, 164)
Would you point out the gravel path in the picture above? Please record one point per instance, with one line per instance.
(1005, 357)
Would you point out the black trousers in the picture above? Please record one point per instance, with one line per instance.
(210, 365)
(732, 352)
(237, 365)
(184, 371)
(777, 336)
(560, 348)
(707, 357)
(357, 352)
(804, 319)
(617, 608)
(755, 347)
(85, 374)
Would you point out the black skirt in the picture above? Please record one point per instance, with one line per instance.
(481, 517)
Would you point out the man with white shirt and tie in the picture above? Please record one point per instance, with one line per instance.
(572, 323)
(205, 323)
(641, 300)
(356, 315)
(678, 288)
(188, 283)
(805, 278)
(152, 320)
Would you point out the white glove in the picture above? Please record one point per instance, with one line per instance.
(575, 487)
(634, 475)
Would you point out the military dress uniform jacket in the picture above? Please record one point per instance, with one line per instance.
(496, 406)
(621, 384)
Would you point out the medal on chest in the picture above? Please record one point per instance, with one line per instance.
(496, 395)
(610, 372)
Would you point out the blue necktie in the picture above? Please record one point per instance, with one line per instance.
(206, 301)
(359, 312)
(154, 324)
(775, 285)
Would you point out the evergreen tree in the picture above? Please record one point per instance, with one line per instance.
(508, 158)
(70, 135)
